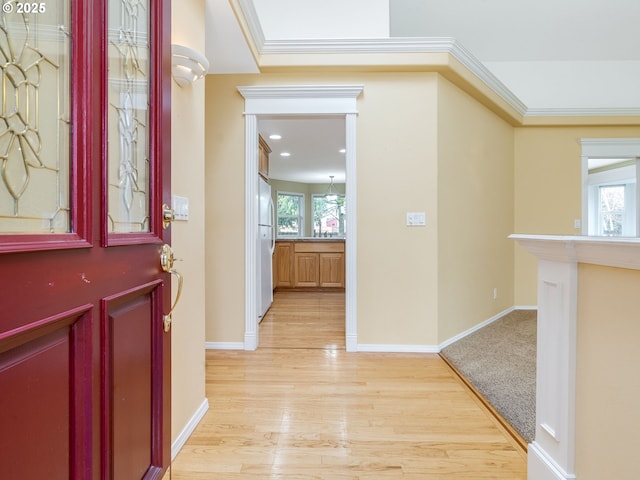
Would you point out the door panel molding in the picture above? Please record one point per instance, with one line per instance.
(31, 331)
(131, 381)
(54, 356)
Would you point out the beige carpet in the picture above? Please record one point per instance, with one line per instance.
(499, 360)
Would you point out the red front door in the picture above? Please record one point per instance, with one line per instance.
(84, 171)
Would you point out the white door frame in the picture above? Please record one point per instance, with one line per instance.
(301, 100)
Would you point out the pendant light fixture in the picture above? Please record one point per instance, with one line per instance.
(330, 196)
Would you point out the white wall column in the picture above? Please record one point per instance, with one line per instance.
(351, 339)
(251, 225)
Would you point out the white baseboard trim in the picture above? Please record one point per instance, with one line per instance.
(446, 343)
(250, 341)
(351, 343)
(540, 466)
(353, 346)
(189, 428)
(224, 346)
(525, 307)
(384, 348)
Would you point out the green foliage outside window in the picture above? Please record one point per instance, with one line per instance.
(328, 216)
(290, 206)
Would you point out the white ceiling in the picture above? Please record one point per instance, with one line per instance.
(534, 30)
(549, 53)
(314, 144)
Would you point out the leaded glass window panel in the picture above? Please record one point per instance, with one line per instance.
(128, 128)
(35, 45)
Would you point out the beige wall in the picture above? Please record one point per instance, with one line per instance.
(607, 383)
(430, 147)
(475, 212)
(548, 189)
(397, 173)
(225, 209)
(396, 155)
(187, 179)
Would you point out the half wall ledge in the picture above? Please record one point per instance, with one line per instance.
(552, 455)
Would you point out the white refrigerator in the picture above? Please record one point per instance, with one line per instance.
(266, 245)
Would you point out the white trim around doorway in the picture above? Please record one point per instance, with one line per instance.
(616, 148)
(303, 100)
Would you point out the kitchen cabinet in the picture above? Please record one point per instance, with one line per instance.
(283, 265)
(331, 269)
(309, 264)
(263, 157)
(306, 269)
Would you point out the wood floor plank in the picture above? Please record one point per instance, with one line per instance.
(305, 409)
(304, 320)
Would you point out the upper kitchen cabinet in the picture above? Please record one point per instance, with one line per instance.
(263, 157)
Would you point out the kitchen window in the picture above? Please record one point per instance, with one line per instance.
(290, 215)
(611, 210)
(612, 200)
(328, 213)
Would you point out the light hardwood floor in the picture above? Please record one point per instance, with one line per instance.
(300, 407)
(304, 320)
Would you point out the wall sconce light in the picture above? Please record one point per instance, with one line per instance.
(187, 65)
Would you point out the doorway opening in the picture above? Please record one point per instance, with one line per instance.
(610, 173)
(302, 225)
(298, 101)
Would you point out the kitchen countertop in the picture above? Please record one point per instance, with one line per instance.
(311, 239)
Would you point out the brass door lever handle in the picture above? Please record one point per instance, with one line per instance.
(167, 259)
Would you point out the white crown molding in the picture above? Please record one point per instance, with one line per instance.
(413, 45)
(397, 45)
(253, 22)
(483, 73)
(610, 147)
(583, 112)
(301, 91)
(359, 45)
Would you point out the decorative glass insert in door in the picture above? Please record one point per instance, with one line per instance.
(35, 45)
(128, 128)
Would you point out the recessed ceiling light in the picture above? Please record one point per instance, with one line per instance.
(275, 136)
(285, 154)
(343, 150)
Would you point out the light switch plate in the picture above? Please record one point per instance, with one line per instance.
(416, 219)
(180, 207)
